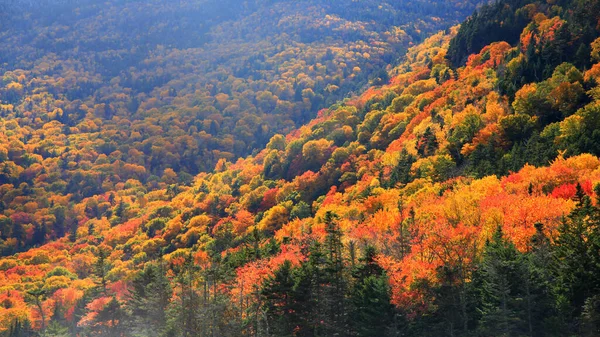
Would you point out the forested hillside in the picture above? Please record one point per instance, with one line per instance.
(97, 95)
(459, 195)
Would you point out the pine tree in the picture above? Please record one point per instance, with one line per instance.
(279, 295)
(184, 312)
(36, 297)
(21, 329)
(56, 329)
(500, 285)
(335, 281)
(110, 319)
(539, 300)
(101, 268)
(371, 312)
(577, 251)
(149, 298)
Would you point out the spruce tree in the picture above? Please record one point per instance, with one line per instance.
(278, 292)
(149, 298)
(577, 260)
(371, 312)
(539, 300)
(335, 284)
(500, 288)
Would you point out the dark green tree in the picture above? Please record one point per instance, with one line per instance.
(371, 312)
(500, 282)
(149, 298)
(577, 254)
(281, 303)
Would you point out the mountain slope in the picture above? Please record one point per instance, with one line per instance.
(411, 209)
(96, 95)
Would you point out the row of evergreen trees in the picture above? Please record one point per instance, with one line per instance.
(551, 289)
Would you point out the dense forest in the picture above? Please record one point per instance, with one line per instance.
(300, 168)
(151, 93)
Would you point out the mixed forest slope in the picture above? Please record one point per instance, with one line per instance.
(458, 198)
(95, 95)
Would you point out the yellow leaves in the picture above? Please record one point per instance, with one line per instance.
(152, 246)
(293, 229)
(420, 87)
(423, 125)
(200, 221)
(169, 176)
(12, 307)
(571, 126)
(460, 117)
(54, 283)
(191, 236)
(315, 151)
(595, 50)
(593, 74)
(523, 97)
(274, 218)
(38, 257)
(539, 18)
(277, 142)
(583, 162)
(15, 87)
(7, 263)
(494, 110)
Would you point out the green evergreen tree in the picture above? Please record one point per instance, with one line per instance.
(577, 251)
(371, 312)
(500, 282)
(149, 298)
(110, 319)
(335, 285)
(279, 295)
(21, 329)
(101, 269)
(539, 300)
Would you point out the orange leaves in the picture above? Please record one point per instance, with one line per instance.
(121, 233)
(397, 145)
(451, 245)
(94, 307)
(66, 299)
(517, 214)
(452, 228)
(483, 137)
(202, 258)
(252, 275)
(543, 31)
(402, 274)
(490, 56)
(378, 229)
(12, 307)
(242, 221)
(593, 74)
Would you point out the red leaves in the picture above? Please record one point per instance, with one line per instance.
(567, 191)
(66, 299)
(252, 275)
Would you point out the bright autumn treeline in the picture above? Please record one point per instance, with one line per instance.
(459, 198)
